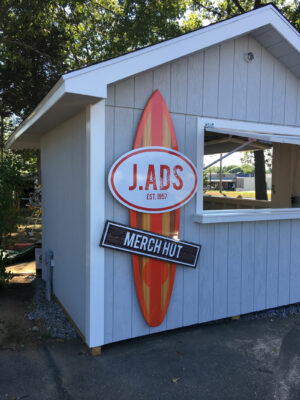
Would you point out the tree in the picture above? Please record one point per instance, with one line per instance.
(4, 275)
(10, 182)
(231, 169)
(257, 162)
(214, 169)
(40, 40)
(247, 169)
(215, 11)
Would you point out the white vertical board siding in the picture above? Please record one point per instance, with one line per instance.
(243, 267)
(206, 273)
(195, 84)
(122, 262)
(63, 155)
(211, 81)
(240, 78)
(190, 232)
(179, 86)
(226, 79)
(260, 265)
(291, 99)
(247, 264)
(298, 104)
(278, 93)
(220, 268)
(295, 262)
(272, 264)
(162, 81)
(284, 262)
(234, 269)
(266, 86)
(174, 317)
(253, 81)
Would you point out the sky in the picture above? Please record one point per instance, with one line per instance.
(233, 159)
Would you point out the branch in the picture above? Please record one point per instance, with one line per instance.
(108, 9)
(209, 9)
(238, 5)
(25, 46)
(257, 4)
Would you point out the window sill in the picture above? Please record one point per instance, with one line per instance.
(220, 216)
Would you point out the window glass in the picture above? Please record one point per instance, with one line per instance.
(250, 173)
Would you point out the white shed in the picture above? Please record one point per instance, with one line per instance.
(234, 83)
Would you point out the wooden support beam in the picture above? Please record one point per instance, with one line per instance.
(95, 351)
(256, 145)
(217, 141)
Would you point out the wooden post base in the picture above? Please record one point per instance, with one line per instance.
(95, 351)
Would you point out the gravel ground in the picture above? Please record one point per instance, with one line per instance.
(58, 325)
(283, 312)
(50, 314)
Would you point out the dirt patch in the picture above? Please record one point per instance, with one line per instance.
(16, 331)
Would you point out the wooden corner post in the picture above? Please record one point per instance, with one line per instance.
(95, 219)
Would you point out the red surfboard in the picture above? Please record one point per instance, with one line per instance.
(153, 278)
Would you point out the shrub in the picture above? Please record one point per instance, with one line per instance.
(4, 275)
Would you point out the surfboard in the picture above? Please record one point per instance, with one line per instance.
(154, 279)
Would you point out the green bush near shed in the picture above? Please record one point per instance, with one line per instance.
(4, 275)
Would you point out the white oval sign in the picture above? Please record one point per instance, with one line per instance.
(153, 179)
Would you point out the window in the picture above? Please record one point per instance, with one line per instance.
(216, 136)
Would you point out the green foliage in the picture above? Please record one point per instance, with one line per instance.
(32, 52)
(205, 179)
(140, 23)
(234, 169)
(214, 169)
(9, 180)
(248, 159)
(40, 40)
(247, 169)
(15, 170)
(227, 169)
(217, 10)
(4, 275)
(231, 169)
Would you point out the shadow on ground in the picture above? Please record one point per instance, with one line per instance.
(244, 359)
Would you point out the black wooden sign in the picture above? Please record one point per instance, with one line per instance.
(144, 243)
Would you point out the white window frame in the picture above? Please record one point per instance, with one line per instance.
(219, 216)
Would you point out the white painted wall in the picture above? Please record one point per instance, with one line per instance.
(248, 183)
(63, 157)
(238, 271)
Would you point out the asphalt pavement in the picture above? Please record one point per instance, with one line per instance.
(241, 359)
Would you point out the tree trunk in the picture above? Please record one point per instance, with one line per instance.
(257, 4)
(260, 176)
